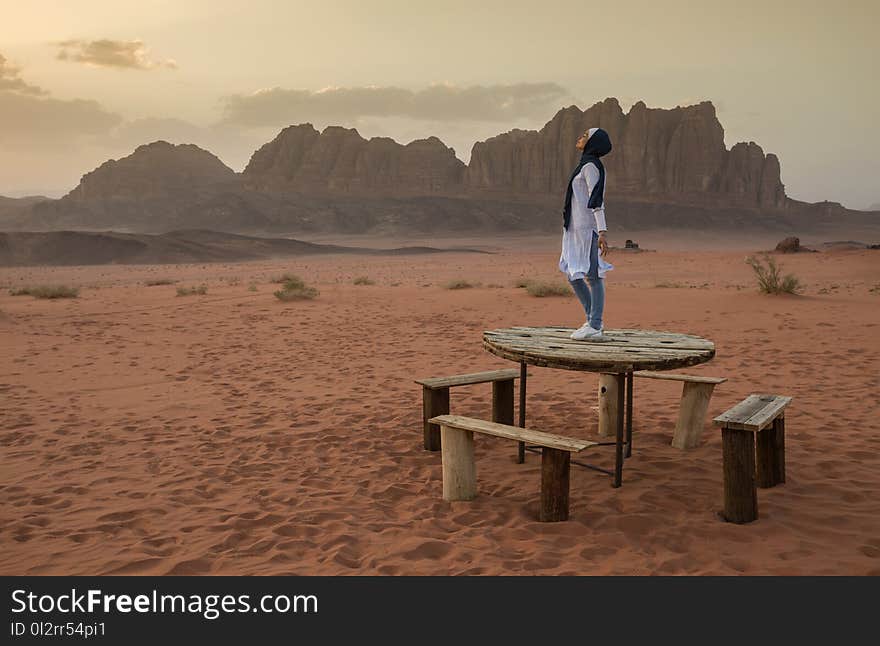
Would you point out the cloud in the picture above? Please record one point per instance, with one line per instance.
(48, 122)
(11, 81)
(441, 102)
(120, 54)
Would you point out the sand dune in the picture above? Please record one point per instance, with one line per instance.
(230, 433)
(193, 245)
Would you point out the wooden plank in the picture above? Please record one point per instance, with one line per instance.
(586, 345)
(738, 463)
(696, 379)
(555, 477)
(695, 398)
(753, 413)
(608, 405)
(594, 364)
(766, 415)
(622, 337)
(458, 464)
(473, 378)
(588, 349)
(740, 412)
(435, 402)
(690, 343)
(527, 435)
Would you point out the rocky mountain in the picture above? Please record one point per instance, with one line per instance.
(11, 205)
(153, 170)
(669, 168)
(677, 155)
(339, 160)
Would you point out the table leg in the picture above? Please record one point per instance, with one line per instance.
(521, 449)
(618, 444)
(629, 413)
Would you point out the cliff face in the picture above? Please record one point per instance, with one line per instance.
(676, 154)
(154, 170)
(340, 160)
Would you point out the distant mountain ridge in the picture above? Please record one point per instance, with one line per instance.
(667, 168)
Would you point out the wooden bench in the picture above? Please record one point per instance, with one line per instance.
(695, 395)
(747, 460)
(460, 471)
(435, 399)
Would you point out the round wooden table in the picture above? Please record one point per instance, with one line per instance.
(618, 354)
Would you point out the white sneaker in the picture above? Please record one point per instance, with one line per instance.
(585, 332)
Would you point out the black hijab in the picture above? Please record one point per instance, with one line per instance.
(598, 144)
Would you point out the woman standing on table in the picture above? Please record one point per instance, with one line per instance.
(583, 237)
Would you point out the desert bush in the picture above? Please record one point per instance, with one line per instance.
(286, 279)
(201, 290)
(252, 287)
(296, 290)
(159, 281)
(46, 291)
(364, 280)
(770, 278)
(459, 283)
(668, 285)
(522, 283)
(541, 289)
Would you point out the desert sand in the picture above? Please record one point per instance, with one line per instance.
(231, 433)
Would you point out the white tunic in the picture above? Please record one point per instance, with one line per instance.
(576, 240)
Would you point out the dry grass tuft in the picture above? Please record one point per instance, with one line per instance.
(770, 278)
(46, 291)
(201, 290)
(296, 290)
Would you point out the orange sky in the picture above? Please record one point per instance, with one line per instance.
(84, 81)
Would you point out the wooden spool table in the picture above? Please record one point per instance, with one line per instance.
(616, 357)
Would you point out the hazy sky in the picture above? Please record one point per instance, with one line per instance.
(83, 81)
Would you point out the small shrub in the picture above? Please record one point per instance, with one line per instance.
(46, 291)
(540, 289)
(770, 278)
(159, 281)
(364, 280)
(668, 285)
(296, 290)
(286, 279)
(201, 290)
(459, 283)
(522, 283)
(252, 287)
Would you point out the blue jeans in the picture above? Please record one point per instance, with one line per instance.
(591, 292)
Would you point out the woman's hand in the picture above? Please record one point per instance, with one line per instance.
(603, 244)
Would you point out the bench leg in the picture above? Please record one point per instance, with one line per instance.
(459, 466)
(435, 401)
(502, 402)
(740, 494)
(770, 455)
(521, 446)
(555, 467)
(691, 414)
(608, 407)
